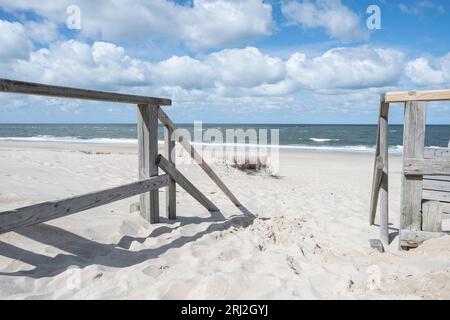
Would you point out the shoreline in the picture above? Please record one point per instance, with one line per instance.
(132, 146)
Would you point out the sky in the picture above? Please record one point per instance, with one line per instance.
(228, 61)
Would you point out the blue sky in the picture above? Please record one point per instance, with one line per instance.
(248, 61)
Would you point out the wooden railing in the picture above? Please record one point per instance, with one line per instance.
(149, 111)
(415, 166)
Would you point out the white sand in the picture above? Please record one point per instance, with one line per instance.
(309, 238)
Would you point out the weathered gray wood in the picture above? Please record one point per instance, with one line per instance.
(38, 213)
(197, 157)
(410, 238)
(430, 95)
(176, 175)
(437, 153)
(445, 208)
(431, 216)
(384, 191)
(148, 152)
(445, 223)
(438, 185)
(436, 195)
(378, 168)
(171, 202)
(440, 178)
(413, 147)
(421, 167)
(73, 93)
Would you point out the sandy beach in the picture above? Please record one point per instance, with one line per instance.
(303, 235)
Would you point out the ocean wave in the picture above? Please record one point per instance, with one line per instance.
(47, 138)
(323, 140)
(349, 148)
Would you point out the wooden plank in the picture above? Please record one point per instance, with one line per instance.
(413, 147)
(431, 216)
(377, 171)
(440, 178)
(197, 157)
(38, 213)
(13, 86)
(171, 202)
(384, 191)
(420, 167)
(438, 185)
(436, 195)
(437, 153)
(148, 152)
(410, 238)
(405, 96)
(176, 175)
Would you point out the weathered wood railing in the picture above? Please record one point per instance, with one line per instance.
(149, 111)
(417, 166)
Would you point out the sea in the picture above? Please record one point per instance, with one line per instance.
(350, 138)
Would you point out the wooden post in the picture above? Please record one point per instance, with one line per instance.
(148, 152)
(171, 202)
(378, 166)
(384, 196)
(413, 148)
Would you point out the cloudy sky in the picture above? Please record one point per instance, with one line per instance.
(280, 61)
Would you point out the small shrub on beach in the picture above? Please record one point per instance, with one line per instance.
(255, 165)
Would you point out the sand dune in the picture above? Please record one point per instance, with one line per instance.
(303, 234)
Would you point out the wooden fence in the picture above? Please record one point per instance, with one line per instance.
(149, 112)
(425, 193)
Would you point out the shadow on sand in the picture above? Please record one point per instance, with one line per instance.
(83, 252)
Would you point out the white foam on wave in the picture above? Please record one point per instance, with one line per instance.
(355, 148)
(323, 139)
(46, 138)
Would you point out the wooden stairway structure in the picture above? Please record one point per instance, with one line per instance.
(149, 112)
(425, 192)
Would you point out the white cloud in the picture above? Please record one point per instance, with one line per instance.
(337, 20)
(41, 32)
(229, 72)
(78, 64)
(429, 71)
(14, 41)
(348, 68)
(205, 24)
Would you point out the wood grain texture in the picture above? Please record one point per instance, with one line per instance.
(438, 185)
(437, 153)
(413, 147)
(13, 86)
(431, 216)
(171, 191)
(179, 178)
(148, 152)
(378, 169)
(421, 167)
(38, 213)
(405, 96)
(384, 190)
(443, 196)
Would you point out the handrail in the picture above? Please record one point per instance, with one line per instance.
(405, 96)
(14, 86)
